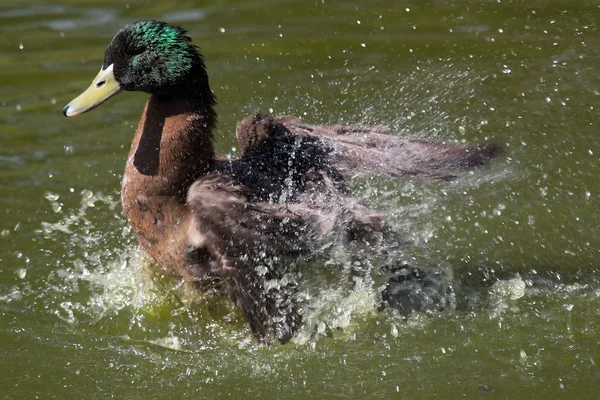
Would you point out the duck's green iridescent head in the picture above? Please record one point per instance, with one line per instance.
(147, 56)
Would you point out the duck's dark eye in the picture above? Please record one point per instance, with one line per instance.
(100, 84)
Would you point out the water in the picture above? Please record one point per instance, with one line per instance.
(84, 314)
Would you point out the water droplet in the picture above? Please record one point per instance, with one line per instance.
(523, 355)
(321, 327)
(51, 196)
(86, 194)
(56, 207)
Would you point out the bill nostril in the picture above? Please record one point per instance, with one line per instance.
(100, 84)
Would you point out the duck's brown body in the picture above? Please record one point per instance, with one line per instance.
(170, 149)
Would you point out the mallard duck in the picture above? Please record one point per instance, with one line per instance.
(231, 226)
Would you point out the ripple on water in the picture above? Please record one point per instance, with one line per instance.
(58, 18)
(184, 16)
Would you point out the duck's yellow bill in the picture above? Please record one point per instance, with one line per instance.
(103, 87)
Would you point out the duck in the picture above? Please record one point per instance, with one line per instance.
(233, 227)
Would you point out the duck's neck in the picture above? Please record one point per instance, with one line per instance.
(171, 148)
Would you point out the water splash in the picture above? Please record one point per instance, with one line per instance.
(104, 281)
(101, 271)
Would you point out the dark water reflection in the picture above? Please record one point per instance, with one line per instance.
(80, 316)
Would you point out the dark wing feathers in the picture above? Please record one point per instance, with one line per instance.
(357, 150)
(239, 238)
(286, 191)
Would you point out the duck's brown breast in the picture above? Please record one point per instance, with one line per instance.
(160, 222)
(169, 150)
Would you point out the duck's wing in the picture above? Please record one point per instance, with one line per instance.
(257, 131)
(243, 245)
(277, 165)
(356, 149)
(249, 248)
(364, 150)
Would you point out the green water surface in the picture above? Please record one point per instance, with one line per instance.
(80, 317)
